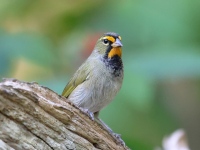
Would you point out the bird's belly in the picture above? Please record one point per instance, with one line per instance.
(95, 96)
(102, 97)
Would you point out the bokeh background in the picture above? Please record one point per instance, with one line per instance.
(46, 41)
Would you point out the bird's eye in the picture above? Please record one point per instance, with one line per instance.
(105, 41)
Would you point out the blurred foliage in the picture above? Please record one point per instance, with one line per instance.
(46, 41)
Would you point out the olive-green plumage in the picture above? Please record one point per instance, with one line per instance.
(99, 78)
(78, 78)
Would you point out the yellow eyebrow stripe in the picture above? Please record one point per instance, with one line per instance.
(110, 38)
(120, 38)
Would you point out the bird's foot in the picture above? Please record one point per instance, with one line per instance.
(87, 112)
(116, 136)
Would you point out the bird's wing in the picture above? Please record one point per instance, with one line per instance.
(79, 77)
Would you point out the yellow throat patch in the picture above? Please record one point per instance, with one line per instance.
(115, 51)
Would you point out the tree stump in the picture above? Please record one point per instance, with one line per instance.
(34, 117)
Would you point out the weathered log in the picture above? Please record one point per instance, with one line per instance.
(35, 117)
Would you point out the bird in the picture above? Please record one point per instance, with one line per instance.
(97, 81)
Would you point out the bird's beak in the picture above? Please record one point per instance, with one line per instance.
(117, 43)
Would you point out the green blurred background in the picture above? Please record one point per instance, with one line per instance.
(46, 41)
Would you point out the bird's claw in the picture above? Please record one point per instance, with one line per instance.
(87, 112)
(116, 135)
(118, 138)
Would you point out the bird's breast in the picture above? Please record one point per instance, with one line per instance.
(99, 89)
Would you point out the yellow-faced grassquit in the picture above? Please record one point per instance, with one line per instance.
(99, 78)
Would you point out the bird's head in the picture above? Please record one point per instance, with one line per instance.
(109, 45)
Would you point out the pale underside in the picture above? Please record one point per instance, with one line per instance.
(98, 88)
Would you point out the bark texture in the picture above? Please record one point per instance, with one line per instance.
(35, 117)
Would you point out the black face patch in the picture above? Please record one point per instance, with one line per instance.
(114, 64)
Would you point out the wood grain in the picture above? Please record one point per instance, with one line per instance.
(34, 117)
